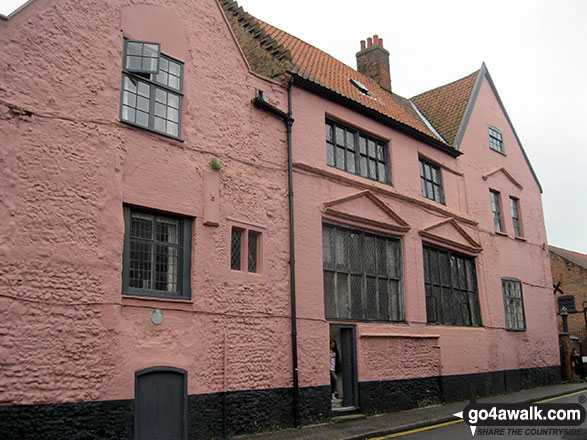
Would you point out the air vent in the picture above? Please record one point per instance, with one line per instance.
(360, 86)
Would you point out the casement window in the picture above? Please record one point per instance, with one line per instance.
(496, 140)
(157, 254)
(514, 304)
(362, 275)
(515, 208)
(450, 281)
(496, 210)
(245, 252)
(152, 89)
(431, 181)
(357, 153)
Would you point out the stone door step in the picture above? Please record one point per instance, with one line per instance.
(348, 417)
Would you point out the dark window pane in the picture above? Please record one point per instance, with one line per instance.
(252, 252)
(329, 297)
(451, 288)
(371, 299)
(235, 249)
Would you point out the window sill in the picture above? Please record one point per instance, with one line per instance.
(154, 301)
(521, 238)
(497, 151)
(503, 234)
(150, 130)
(516, 330)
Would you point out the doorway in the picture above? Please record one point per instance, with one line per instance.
(346, 393)
(161, 404)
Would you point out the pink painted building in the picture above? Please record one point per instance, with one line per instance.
(194, 203)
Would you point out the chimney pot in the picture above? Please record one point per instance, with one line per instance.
(374, 63)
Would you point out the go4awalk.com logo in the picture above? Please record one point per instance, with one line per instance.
(513, 419)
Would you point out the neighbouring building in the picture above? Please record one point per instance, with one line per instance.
(194, 203)
(569, 278)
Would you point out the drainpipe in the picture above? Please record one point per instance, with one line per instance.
(261, 102)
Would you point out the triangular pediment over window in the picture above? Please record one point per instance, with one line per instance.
(448, 233)
(365, 209)
(502, 171)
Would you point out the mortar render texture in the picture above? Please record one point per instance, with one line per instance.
(68, 167)
(414, 350)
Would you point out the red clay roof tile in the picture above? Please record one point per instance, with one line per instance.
(305, 60)
(445, 106)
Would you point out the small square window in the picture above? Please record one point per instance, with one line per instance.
(496, 140)
(152, 84)
(245, 252)
(157, 254)
(431, 181)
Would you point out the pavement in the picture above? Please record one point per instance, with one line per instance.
(390, 423)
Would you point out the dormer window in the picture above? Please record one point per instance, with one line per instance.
(152, 89)
(359, 85)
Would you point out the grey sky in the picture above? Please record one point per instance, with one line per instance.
(535, 53)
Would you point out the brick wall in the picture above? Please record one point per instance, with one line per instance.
(573, 281)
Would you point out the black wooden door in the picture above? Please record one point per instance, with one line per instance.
(161, 404)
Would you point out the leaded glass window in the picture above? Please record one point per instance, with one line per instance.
(431, 181)
(151, 98)
(362, 275)
(156, 254)
(514, 304)
(357, 153)
(245, 245)
(450, 281)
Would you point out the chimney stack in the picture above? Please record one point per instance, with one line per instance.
(373, 61)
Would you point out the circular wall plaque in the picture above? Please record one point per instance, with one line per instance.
(157, 316)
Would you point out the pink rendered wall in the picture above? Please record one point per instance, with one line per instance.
(387, 351)
(69, 165)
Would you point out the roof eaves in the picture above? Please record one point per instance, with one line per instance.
(312, 85)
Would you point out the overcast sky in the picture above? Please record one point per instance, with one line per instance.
(535, 51)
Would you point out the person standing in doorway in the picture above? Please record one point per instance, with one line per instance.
(334, 367)
(577, 364)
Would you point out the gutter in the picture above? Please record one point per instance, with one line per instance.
(260, 101)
